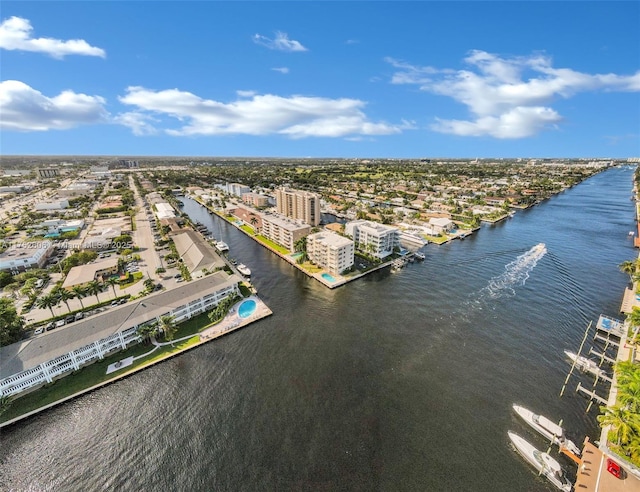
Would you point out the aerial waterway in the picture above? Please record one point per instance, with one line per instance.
(392, 382)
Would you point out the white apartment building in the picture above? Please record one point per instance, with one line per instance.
(299, 205)
(29, 364)
(237, 189)
(373, 238)
(283, 231)
(330, 251)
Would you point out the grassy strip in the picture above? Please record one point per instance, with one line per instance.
(437, 239)
(248, 229)
(271, 244)
(96, 373)
(310, 267)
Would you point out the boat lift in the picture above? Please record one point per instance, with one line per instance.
(596, 371)
(602, 356)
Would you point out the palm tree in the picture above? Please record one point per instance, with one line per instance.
(253, 221)
(629, 267)
(147, 331)
(112, 281)
(623, 423)
(94, 288)
(168, 326)
(48, 301)
(629, 396)
(63, 295)
(79, 292)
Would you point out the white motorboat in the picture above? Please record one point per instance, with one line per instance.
(244, 270)
(552, 431)
(419, 255)
(542, 462)
(222, 246)
(586, 365)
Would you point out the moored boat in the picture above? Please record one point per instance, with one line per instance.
(586, 365)
(222, 246)
(244, 270)
(552, 431)
(542, 462)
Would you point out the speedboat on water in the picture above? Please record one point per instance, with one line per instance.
(552, 431)
(586, 365)
(244, 270)
(542, 462)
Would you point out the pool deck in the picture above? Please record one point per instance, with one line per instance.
(230, 323)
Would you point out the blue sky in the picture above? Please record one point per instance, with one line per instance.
(321, 79)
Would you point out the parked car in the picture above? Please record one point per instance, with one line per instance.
(79, 315)
(69, 319)
(38, 330)
(59, 323)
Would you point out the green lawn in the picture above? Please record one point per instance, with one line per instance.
(310, 267)
(436, 239)
(271, 244)
(247, 229)
(135, 278)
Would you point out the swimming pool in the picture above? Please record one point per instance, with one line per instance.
(328, 277)
(247, 308)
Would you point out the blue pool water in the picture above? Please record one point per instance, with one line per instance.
(247, 308)
(328, 277)
(296, 255)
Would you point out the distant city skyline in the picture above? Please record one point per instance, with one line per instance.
(321, 79)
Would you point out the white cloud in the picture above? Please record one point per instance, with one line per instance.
(15, 34)
(267, 114)
(281, 42)
(509, 97)
(140, 123)
(281, 69)
(26, 109)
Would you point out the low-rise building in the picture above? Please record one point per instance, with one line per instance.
(283, 231)
(25, 255)
(373, 238)
(237, 189)
(330, 251)
(75, 189)
(197, 254)
(52, 205)
(29, 364)
(255, 199)
(84, 274)
(441, 225)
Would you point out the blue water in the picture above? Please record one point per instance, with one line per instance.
(328, 277)
(399, 382)
(247, 308)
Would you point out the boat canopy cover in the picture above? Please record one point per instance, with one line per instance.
(555, 429)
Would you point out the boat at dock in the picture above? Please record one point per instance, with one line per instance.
(586, 365)
(542, 462)
(419, 255)
(552, 431)
(222, 246)
(244, 270)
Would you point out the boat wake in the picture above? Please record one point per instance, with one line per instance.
(516, 273)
